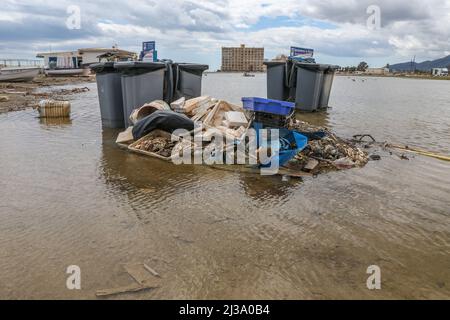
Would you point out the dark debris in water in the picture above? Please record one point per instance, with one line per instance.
(328, 154)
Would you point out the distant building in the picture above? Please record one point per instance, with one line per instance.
(377, 71)
(280, 58)
(83, 57)
(242, 59)
(439, 72)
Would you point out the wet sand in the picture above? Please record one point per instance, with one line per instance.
(70, 196)
(15, 96)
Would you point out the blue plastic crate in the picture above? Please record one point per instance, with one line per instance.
(282, 108)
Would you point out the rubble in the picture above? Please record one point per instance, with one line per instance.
(331, 152)
(235, 119)
(159, 145)
(23, 95)
(145, 278)
(324, 152)
(189, 107)
(178, 104)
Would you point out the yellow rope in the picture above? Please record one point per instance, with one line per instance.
(421, 152)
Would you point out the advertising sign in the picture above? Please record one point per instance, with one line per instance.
(148, 45)
(302, 52)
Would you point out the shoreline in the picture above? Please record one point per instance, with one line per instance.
(424, 77)
(16, 96)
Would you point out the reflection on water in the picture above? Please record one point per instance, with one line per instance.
(71, 196)
(319, 118)
(267, 189)
(55, 121)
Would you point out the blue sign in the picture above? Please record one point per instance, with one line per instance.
(148, 46)
(148, 52)
(302, 52)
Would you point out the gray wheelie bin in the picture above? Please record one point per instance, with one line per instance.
(276, 80)
(188, 80)
(328, 77)
(109, 87)
(142, 82)
(308, 86)
(305, 83)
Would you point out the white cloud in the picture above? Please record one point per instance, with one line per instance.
(336, 29)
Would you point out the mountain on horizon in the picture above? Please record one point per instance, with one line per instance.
(422, 66)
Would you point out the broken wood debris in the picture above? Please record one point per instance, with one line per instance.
(125, 289)
(141, 273)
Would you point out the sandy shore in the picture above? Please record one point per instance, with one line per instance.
(15, 96)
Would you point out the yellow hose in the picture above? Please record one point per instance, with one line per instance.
(421, 152)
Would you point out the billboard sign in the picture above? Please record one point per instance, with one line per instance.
(148, 56)
(302, 52)
(148, 46)
(148, 52)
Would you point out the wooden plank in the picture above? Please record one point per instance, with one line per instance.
(125, 289)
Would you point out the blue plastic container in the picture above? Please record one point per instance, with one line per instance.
(296, 140)
(282, 108)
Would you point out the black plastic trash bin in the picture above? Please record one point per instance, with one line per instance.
(307, 88)
(328, 77)
(142, 82)
(305, 83)
(188, 80)
(276, 80)
(109, 87)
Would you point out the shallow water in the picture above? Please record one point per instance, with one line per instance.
(69, 196)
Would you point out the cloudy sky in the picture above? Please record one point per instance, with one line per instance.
(195, 30)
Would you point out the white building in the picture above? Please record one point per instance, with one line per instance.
(377, 71)
(439, 72)
(82, 57)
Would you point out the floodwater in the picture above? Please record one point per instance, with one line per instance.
(69, 196)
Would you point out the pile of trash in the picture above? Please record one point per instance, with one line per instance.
(326, 152)
(224, 117)
(322, 151)
(159, 145)
(55, 94)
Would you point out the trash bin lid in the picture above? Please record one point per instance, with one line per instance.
(274, 63)
(333, 67)
(192, 66)
(311, 66)
(147, 66)
(103, 67)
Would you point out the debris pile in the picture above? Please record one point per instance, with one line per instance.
(143, 276)
(324, 151)
(327, 153)
(159, 145)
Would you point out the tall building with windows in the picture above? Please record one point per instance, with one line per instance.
(242, 59)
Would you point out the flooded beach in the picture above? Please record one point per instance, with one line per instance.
(70, 196)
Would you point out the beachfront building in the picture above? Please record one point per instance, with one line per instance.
(377, 71)
(84, 57)
(242, 59)
(61, 59)
(440, 72)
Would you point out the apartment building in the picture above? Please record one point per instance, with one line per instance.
(242, 59)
